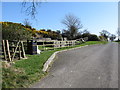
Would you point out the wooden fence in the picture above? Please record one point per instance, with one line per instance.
(17, 49)
(12, 50)
(45, 45)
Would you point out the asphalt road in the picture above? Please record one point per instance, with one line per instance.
(95, 66)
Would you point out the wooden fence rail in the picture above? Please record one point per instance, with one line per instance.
(13, 49)
(56, 44)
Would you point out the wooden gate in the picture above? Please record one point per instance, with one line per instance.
(12, 50)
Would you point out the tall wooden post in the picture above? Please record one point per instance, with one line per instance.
(4, 50)
(8, 50)
(23, 51)
(19, 52)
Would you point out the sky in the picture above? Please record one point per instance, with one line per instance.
(94, 16)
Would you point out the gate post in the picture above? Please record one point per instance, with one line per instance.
(32, 47)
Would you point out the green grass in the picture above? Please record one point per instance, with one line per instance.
(26, 72)
(31, 69)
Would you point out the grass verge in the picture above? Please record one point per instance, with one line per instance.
(25, 72)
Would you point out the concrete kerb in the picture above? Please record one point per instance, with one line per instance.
(51, 59)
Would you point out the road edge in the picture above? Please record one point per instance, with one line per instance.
(51, 59)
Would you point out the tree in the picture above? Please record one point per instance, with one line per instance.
(49, 30)
(91, 37)
(27, 24)
(66, 33)
(73, 24)
(79, 35)
(102, 38)
(105, 34)
(85, 35)
(58, 31)
(112, 37)
(85, 31)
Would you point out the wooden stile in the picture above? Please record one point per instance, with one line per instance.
(15, 50)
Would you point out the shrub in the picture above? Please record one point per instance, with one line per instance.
(15, 31)
(48, 34)
(91, 37)
(102, 38)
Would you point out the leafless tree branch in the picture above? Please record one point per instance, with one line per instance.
(30, 7)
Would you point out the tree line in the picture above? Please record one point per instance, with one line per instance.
(18, 31)
(72, 23)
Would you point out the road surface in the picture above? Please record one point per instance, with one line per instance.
(95, 66)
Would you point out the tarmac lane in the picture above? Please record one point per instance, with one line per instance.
(94, 66)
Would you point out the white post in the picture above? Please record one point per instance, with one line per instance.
(38, 51)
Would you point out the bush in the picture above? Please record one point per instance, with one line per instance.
(15, 31)
(91, 37)
(49, 34)
(102, 38)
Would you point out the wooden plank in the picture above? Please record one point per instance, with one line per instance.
(49, 41)
(19, 52)
(4, 50)
(41, 45)
(54, 44)
(15, 51)
(45, 41)
(8, 50)
(44, 45)
(58, 44)
(23, 50)
(49, 44)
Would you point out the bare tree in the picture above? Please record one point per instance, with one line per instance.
(73, 24)
(30, 7)
(26, 22)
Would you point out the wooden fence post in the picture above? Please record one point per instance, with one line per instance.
(4, 50)
(23, 51)
(15, 50)
(8, 50)
(44, 45)
(19, 52)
